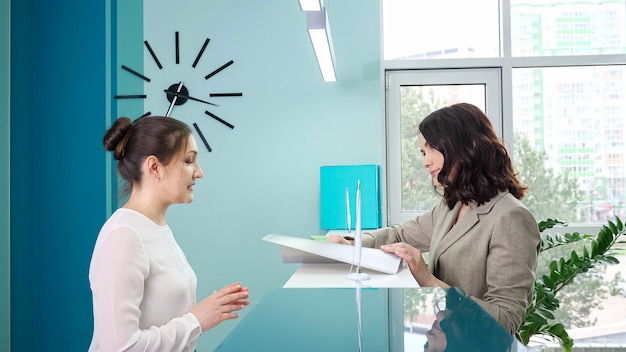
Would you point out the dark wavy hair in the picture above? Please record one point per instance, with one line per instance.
(132, 142)
(476, 164)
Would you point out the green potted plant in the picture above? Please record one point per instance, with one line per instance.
(538, 319)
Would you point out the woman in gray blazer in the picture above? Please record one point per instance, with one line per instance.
(481, 238)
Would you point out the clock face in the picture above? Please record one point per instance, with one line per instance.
(171, 89)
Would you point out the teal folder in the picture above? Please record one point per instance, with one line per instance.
(333, 206)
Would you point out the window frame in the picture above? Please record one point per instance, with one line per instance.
(506, 63)
(395, 80)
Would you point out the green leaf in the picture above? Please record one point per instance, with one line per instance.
(594, 249)
(553, 266)
(562, 271)
(547, 281)
(535, 318)
(547, 314)
(613, 227)
(549, 223)
(558, 331)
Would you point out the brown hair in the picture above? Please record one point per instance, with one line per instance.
(132, 142)
(476, 164)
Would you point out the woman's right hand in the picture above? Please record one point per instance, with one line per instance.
(220, 305)
(338, 239)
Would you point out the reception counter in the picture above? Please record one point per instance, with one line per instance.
(313, 319)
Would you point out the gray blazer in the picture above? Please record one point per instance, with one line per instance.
(491, 253)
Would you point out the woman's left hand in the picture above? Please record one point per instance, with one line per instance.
(413, 257)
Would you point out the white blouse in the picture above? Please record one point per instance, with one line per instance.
(143, 288)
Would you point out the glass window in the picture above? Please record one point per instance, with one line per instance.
(426, 29)
(561, 27)
(561, 111)
(570, 145)
(412, 96)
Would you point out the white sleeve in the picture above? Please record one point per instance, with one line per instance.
(118, 269)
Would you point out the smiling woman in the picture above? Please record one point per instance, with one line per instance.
(144, 290)
(480, 237)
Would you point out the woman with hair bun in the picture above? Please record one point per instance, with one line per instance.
(143, 288)
(480, 238)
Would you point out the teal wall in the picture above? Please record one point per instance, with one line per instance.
(261, 178)
(21, 208)
(57, 169)
(5, 49)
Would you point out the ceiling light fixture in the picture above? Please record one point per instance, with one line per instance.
(319, 32)
(310, 5)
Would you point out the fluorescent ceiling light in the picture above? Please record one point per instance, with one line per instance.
(319, 32)
(311, 5)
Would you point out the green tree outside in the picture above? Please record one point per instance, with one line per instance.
(418, 192)
(549, 195)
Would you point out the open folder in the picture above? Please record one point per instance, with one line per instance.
(304, 250)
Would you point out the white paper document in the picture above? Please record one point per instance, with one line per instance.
(303, 250)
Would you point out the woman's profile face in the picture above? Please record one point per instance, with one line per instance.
(180, 175)
(433, 159)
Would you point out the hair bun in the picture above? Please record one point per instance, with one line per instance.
(116, 137)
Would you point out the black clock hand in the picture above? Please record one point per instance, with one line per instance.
(186, 97)
(169, 109)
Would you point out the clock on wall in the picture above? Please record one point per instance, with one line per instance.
(176, 85)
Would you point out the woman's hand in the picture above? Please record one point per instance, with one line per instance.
(413, 257)
(337, 239)
(220, 305)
